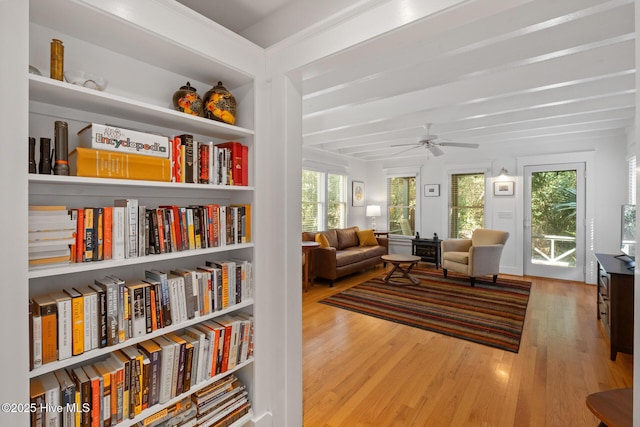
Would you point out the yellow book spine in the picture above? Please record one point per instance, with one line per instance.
(77, 317)
(88, 162)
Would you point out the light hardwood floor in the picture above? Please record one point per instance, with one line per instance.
(363, 371)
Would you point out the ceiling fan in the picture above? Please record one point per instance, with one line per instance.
(430, 142)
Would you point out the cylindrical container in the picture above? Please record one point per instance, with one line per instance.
(32, 155)
(61, 166)
(57, 60)
(44, 167)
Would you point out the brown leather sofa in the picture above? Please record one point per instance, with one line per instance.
(344, 255)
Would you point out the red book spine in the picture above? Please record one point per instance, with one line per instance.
(80, 236)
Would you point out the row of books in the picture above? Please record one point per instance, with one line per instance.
(208, 163)
(217, 405)
(129, 230)
(134, 378)
(51, 232)
(110, 311)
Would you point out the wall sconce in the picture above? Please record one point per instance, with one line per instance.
(373, 211)
(503, 172)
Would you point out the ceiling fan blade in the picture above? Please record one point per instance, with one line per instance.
(435, 150)
(458, 144)
(403, 145)
(408, 149)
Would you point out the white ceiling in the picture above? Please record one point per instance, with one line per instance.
(544, 71)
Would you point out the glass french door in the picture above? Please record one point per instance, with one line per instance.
(554, 231)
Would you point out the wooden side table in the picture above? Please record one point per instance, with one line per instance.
(306, 248)
(613, 407)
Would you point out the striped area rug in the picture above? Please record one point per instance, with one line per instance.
(489, 314)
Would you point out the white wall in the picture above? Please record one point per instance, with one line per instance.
(609, 192)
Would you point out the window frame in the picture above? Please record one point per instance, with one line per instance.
(448, 205)
(323, 196)
(416, 206)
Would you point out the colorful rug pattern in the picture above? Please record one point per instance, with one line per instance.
(489, 314)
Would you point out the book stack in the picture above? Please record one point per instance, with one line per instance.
(208, 163)
(52, 232)
(111, 311)
(221, 403)
(111, 152)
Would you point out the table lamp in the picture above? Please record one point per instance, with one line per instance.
(373, 211)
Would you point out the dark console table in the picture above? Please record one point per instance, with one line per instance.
(615, 302)
(427, 249)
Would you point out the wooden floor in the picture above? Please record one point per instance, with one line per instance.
(363, 371)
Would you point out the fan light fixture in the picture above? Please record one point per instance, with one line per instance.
(373, 211)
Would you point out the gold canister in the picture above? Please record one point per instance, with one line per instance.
(57, 59)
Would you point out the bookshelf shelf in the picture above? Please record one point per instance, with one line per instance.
(62, 94)
(75, 360)
(74, 268)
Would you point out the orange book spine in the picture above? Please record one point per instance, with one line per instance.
(154, 323)
(108, 164)
(108, 232)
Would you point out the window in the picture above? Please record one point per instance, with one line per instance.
(324, 200)
(401, 202)
(466, 204)
(337, 201)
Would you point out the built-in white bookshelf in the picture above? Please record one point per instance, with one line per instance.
(147, 51)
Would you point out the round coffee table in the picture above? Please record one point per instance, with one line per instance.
(398, 272)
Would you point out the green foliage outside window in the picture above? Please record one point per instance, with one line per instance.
(316, 200)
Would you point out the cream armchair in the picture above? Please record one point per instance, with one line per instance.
(478, 256)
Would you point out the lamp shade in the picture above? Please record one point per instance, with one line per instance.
(373, 210)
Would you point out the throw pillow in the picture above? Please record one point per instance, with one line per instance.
(322, 239)
(367, 238)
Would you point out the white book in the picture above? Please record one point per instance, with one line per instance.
(223, 225)
(36, 340)
(131, 226)
(63, 301)
(137, 308)
(52, 399)
(91, 328)
(208, 352)
(180, 298)
(212, 174)
(142, 230)
(118, 228)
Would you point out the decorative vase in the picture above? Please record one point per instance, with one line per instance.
(220, 105)
(187, 100)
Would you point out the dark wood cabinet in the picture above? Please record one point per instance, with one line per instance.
(427, 249)
(615, 302)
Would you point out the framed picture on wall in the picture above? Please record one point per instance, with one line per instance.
(357, 193)
(431, 190)
(503, 188)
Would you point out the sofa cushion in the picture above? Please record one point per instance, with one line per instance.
(332, 237)
(347, 237)
(322, 239)
(308, 236)
(356, 254)
(367, 238)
